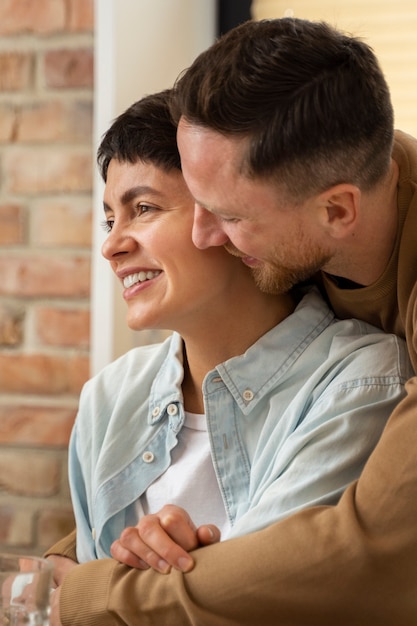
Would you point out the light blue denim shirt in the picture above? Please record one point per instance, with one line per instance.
(291, 422)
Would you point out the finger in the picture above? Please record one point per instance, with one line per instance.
(157, 540)
(208, 534)
(179, 526)
(132, 541)
(126, 557)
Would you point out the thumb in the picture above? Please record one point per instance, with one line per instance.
(208, 534)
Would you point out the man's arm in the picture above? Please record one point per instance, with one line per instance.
(64, 557)
(65, 547)
(354, 563)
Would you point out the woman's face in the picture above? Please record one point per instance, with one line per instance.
(168, 283)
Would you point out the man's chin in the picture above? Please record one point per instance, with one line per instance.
(273, 282)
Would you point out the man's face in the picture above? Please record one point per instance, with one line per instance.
(282, 243)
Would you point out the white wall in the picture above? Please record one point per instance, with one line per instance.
(140, 47)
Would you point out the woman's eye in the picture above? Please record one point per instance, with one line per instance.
(143, 208)
(139, 210)
(107, 225)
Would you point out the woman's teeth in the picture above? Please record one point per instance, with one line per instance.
(139, 277)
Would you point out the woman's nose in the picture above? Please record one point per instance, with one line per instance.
(119, 241)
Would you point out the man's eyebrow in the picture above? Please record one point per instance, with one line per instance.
(132, 193)
(203, 205)
(220, 212)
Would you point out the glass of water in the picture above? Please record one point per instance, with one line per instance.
(25, 584)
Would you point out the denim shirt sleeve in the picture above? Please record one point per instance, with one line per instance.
(85, 539)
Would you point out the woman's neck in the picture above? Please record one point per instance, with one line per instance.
(219, 341)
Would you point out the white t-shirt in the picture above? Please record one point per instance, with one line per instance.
(190, 480)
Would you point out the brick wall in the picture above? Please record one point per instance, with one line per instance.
(46, 160)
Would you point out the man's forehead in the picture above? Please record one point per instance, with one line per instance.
(192, 133)
(208, 149)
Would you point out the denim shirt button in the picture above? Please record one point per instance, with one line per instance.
(148, 457)
(248, 395)
(156, 411)
(172, 409)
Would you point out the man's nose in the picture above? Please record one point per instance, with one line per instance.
(207, 229)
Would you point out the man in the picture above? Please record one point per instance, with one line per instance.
(286, 138)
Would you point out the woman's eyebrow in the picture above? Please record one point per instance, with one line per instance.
(132, 193)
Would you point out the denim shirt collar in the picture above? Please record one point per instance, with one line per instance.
(249, 377)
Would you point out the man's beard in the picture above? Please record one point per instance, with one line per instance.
(275, 278)
(279, 280)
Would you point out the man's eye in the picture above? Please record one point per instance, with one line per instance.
(107, 225)
(230, 220)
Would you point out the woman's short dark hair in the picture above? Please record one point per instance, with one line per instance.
(144, 132)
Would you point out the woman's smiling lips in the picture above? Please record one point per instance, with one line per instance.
(139, 277)
(135, 281)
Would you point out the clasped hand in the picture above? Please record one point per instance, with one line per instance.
(163, 540)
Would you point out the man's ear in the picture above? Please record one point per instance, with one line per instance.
(340, 209)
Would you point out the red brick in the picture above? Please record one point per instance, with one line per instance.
(42, 374)
(30, 171)
(30, 473)
(60, 327)
(31, 16)
(53, 524)
(6, 517)
(79, 373)
(11, 325)
(45, 276)
(43, 122)
(69, 68)
(36, 425)
(16, 71)
(15, 525)
(62, 223)
(12, 228)
(8, 120)
(81, 15)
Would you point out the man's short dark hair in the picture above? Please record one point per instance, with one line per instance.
(312, 102)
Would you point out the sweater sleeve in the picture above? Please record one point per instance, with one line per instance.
(64, 547)
(354, 563)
